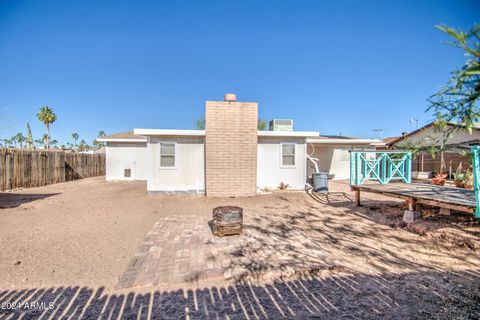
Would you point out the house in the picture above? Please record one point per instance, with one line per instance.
(429, 135)
(387, 142)
(450, 159)
(230, 157)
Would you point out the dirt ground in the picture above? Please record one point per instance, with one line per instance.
(300, 256)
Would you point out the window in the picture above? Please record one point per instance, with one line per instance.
(288, 154)
(167, 155)
(127, 173)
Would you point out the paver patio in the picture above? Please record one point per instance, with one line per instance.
(180, 250)
(279, 241)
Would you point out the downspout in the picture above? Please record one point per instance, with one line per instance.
(308, 187)
(314, 161)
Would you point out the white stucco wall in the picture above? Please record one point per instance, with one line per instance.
(126, 155)
(270, 173)
(334, 159)
(189, 171)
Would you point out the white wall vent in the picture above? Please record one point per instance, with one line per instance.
(281, 125)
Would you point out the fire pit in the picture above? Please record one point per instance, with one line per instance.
(227, 220)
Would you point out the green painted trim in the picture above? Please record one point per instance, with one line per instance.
(476, 175)
(381, 167)
(351, 168)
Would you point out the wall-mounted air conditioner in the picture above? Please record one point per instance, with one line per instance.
(281, 125)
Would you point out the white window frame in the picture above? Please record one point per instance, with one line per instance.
(294, 155)
(160, 167)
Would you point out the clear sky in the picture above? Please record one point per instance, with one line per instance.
(332, 66)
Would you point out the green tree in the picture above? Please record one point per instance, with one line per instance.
(75, 139)
(42, 141)
(31, 146)
(83, 146)
(47, 117)
(262, 125)
(99, 144)
(13, 141)
(53, 143)
(7, 142)
(200, 124)
(457, 102)
(39, 142)
(20, 139)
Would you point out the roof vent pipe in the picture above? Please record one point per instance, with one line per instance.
(230, 97)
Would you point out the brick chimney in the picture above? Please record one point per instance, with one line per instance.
(230, 147)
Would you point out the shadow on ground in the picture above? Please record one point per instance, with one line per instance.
(437, 295)
(390, 213)
(13, 200)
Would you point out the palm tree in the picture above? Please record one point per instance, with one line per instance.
(53, 143)
(97, 143)
(20, 138)
(39, 142)
(13, 140)
(42, 141)
(83, 145)
(75, 139)
(47, 117)
(7, 142)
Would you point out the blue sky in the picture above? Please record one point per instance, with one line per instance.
(332, 66)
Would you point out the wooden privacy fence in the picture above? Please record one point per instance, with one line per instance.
(27, 169)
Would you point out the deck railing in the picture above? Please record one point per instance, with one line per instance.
(381, 166)
(476, 176)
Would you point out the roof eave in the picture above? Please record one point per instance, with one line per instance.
(168, 132)
(301, 134)
(122, 140)
(375, 142)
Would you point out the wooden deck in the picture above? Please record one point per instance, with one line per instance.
(419, 193)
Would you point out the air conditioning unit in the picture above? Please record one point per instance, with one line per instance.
(281, 125)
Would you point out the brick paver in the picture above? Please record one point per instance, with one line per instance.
(177, 250)
(183, 250)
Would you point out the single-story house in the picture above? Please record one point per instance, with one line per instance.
(230, 157)
(431, 135)
(452, 156)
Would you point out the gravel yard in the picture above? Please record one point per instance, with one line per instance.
(93, 247)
